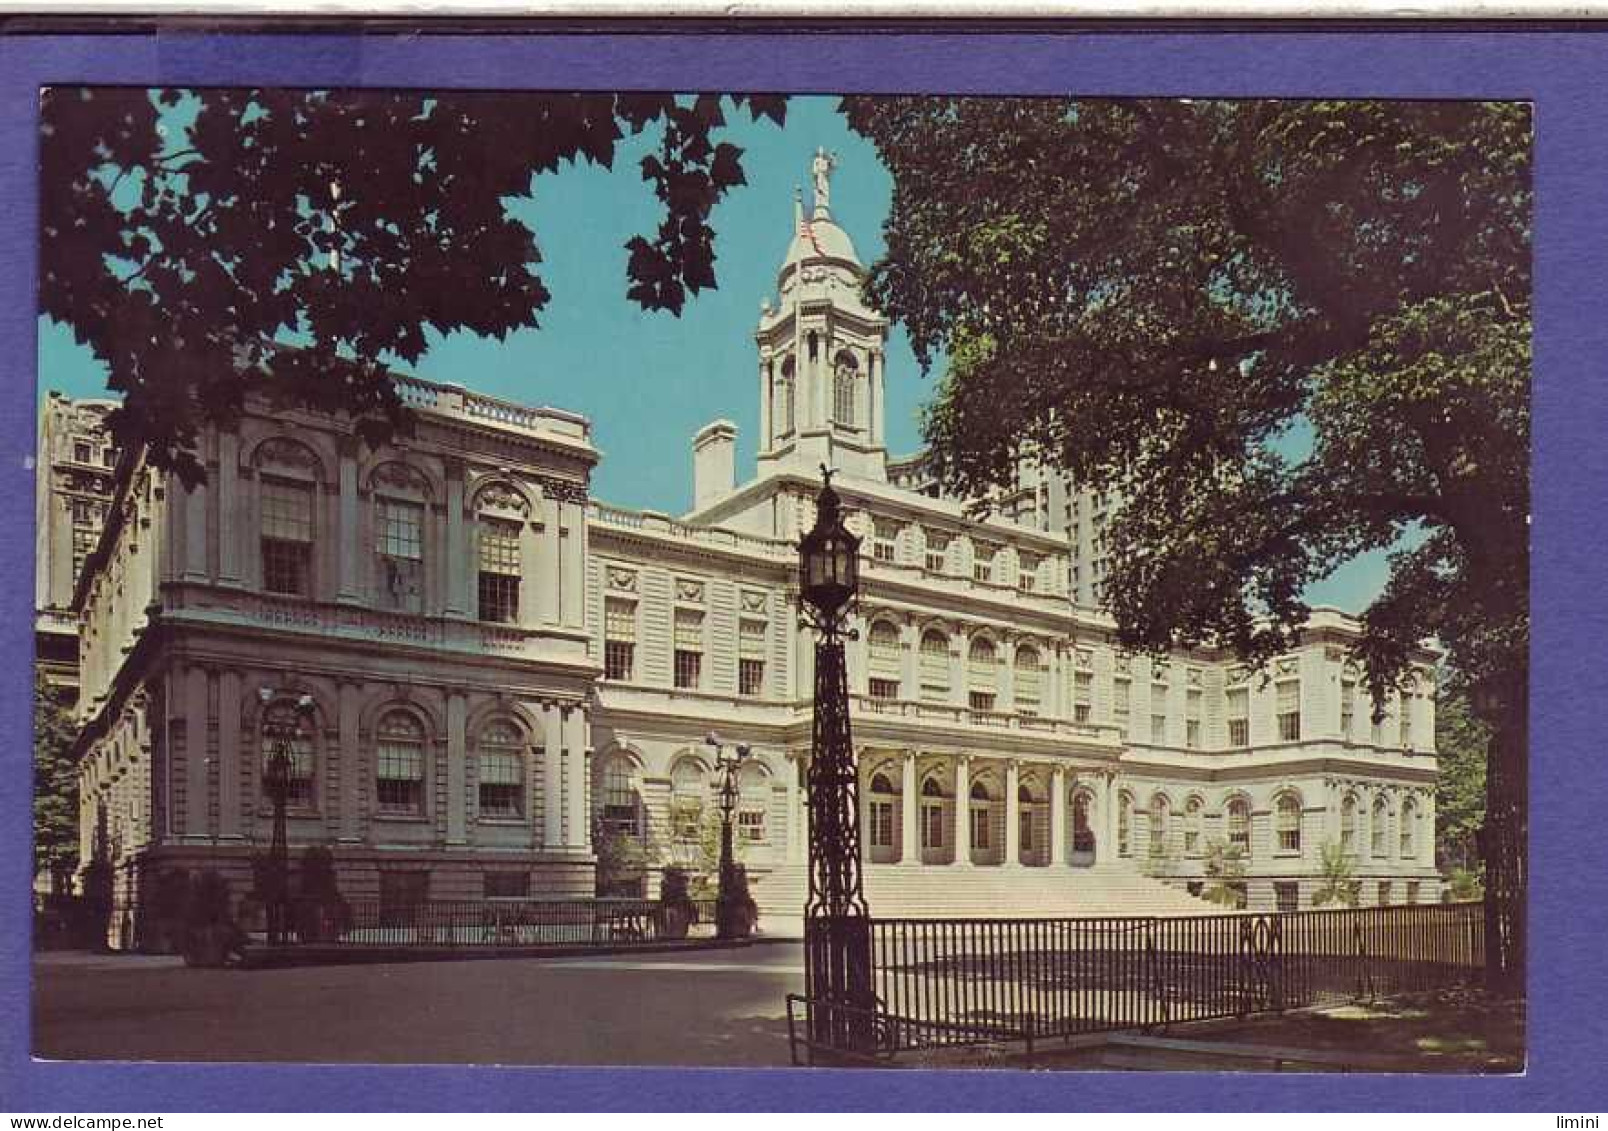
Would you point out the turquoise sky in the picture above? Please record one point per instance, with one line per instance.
(649, 381)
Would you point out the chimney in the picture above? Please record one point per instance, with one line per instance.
(714, 462)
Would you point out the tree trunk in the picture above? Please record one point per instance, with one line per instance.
(1505, 841)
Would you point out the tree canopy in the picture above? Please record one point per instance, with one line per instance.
(189, 237)
(1286, 333)
(55, 780)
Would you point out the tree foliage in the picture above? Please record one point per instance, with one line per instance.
(55, 793)
(1225, 867)
(1338, 881)
(1461, 740)
(189, 236)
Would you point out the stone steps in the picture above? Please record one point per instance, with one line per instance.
(981, 892)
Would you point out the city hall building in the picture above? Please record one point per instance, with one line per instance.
(503, 669)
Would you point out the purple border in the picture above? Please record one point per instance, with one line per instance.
(1560, 70)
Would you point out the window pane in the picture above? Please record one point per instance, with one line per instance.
(398, 530)
(287, 511)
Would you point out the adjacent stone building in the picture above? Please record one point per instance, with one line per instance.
(504, 670)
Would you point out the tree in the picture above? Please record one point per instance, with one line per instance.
(1225, 868)
(55, 793)
(1461, 740)
(1284, 333)
(1339, 883)
(191, 238)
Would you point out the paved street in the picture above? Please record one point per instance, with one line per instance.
(723, 1007)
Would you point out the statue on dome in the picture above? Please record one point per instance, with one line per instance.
(821, 171)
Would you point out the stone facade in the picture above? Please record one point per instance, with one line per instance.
(502, 668)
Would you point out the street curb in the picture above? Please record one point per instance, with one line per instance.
(265, 958)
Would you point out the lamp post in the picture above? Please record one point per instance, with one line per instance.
(837, 923)
(730, 915)
(281, 734)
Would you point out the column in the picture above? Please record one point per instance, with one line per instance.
(957, 669)
(456, 553)
(229, 514)
(876, 413)
(541, 607)
(795, 811)
(1007, 675)
(1013, 821)
(910, 805)
(195, 751)
(1058, 815)
(578, 834)
(765, 384)
(351, 762)
(346, 523)
(457, 766)
(229, 754)
(1106, 848)
(963, 811)
(572, 564)
(909, 647)
(552, 781)
(1425, 833)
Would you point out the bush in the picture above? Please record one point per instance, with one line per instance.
(319, 913)
(737, 912)
(211, 934)
(169, 909)
(677, 911)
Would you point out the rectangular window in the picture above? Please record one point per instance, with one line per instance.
(689, 644)
(751, 640)
(750, 677)
(1121, 696)
(881, 824)
(1287, 896)
(1412, 891)
(751, 825)
(1027, 569)
(499, 571)
(619, 638)
(983, 564)
(83, 453)
(1192, 709)
(884, 688)
(932, 826)
(399, 778)
(502, 783)
(1239, 717)
(1348, 697)
(1289, 710)
(1384, 893)
(981, 700)
(1082, 696)
(399, 542)
(1158, 714)
(287, 538)
(885, 540)
(979, 828)
(937, 556)
(506, 885)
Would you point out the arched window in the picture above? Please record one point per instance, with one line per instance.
(1026, 805)
(844, 385)
(883, 647)
(753, 802)
(281, 716)
(782, 411)
(399, 765)
(500, 769)
(1194, 811)
(1409, 829)
(1380, 827)
(980, 815)
(621, 805)
(1160, 818)
(982, 674)
(934, 665)
(689, 789)
(1029, 679)
(1239, 823)
(1348, 824)
(882, 808)
(1125, 825)
(1082, 831)
(1287, 822)
(287, 537)
(932, 813)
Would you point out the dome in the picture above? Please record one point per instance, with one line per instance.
(829, 242)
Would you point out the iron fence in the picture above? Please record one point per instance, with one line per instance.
(492, 923)
(950, 980)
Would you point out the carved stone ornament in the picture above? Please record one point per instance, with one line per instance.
(1124, 662)
(1286, 665)
(1084, 658)
(754, 600)
(1333, 654)
(562, 490)
(1352, 670)
(688, 590)
(1239, 673)
(1195, 677)
(287, 453)
(500, 496)
(400, 477)
(623, 579)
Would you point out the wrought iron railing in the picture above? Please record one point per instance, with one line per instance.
(950, 980)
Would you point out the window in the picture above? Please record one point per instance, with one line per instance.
(881, 811)
(934, 665)
(753, 789)
(980, 700)
(1384, 893)
(751, 825)
(619, 638)
(979, 817)
(689, 789)
(1289, 710)
(884, 540)
(620, 807)
(1239, 823)
(1192, 713)
(299, 790)
(83, 545)
(937, 557)
(783, 411)
(1239, 718)
(1027, 569)
(1024, 818)
(83, 452)
(1158, 714)
(1286, 896)
(287, 538)
(1380, 827)
(501, 770)
(506, 885)
(751, 657)
(1082, 832)
(1348, 704)
(1029, 680)
(1082, 696)
(399, 765)
(1412, 892)
(1409, 829)
(843, 389)
(1194, 810)
(983, 563)
(1406, 711)
(1121, 700)
(883, 688)
(932, 814)
(399, 542)
(499, 570)
(1125, 826)
(1287, 821)
(1348, 824)
(1160, 816)
(883, 650)
(689, 649)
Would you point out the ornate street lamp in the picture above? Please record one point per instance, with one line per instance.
(837, 923)
(730, 913)
(280, 734)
